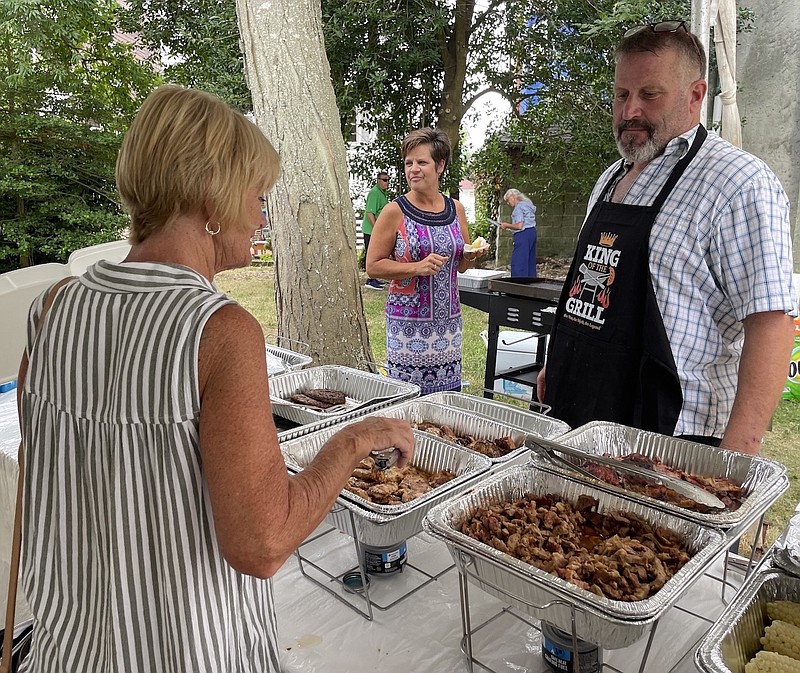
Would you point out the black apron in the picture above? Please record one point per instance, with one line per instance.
(609, 356)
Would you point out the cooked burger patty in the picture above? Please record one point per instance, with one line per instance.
(326, 395)
(305, 400)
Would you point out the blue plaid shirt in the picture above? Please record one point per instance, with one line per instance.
(720, 250)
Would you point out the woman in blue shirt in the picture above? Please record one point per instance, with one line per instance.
(523, 224)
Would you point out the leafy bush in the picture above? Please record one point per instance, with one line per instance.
(70, 89)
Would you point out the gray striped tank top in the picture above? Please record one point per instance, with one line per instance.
(120, 563)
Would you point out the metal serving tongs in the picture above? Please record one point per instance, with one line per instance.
(549, 450)
(333, 409)
(385, 458)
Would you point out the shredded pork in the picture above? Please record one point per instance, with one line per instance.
(617, 555)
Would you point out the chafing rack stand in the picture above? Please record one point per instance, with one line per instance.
(469, 630)
(333, 577)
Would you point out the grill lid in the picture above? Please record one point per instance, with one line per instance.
(536, 288)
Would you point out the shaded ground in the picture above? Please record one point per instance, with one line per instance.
(552, 267)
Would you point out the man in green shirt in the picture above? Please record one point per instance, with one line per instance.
(376, 200)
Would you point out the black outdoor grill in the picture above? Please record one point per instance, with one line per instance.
(532, 288)
(524, 303)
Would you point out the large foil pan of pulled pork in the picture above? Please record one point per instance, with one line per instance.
(496, 440)
(351, 393)
(735, 638)
(530, 422)
(438, 470)
(581, 545)
(748, 485)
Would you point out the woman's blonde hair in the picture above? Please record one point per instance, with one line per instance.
(185, 150)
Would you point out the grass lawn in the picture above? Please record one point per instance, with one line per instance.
(253, 288)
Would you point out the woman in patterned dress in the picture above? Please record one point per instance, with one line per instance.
(155, 508)
(418, 244)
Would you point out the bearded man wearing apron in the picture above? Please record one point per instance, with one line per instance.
(676, 313)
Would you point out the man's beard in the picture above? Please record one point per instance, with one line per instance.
(633, 152)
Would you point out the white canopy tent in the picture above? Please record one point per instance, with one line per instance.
(721, 14)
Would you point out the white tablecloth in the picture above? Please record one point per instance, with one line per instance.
(423, 632)
(9, 445)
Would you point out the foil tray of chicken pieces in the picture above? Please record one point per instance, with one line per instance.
(358, 393)
(498, 441)
(735, 638)
(529, 422)
(381, 507)
(747, 485)
(531, 536)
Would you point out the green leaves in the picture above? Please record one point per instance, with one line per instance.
(69, 86)
(200, 41)
(561, 138)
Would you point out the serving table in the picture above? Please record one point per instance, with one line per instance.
(424, 633)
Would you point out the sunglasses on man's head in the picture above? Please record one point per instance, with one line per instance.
(660, 27)
(665, 27)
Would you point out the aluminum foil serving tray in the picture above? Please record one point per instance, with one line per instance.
(462, 422)
(613, 623)
(529, 422)
(734, 638)
(762, 480)
(785, 553)
(384, 525)
(365, 392)
(292, 360)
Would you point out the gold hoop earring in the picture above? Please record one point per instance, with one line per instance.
(210, 232)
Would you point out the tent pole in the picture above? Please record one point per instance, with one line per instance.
(701, 26)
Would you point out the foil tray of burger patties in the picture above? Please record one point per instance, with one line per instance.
(735, 637)
(364, 392)
(383, 525)
(613, 623)
(762, 480)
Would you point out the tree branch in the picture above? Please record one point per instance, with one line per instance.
(469, 102)
(494, 4)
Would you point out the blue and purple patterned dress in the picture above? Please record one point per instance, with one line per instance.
(423, 313)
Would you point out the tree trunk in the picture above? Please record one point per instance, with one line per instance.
(317, 284)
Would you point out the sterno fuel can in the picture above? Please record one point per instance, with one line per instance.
(557, 651)
(385, 560)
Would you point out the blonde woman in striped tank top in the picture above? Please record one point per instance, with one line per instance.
(155, 510)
